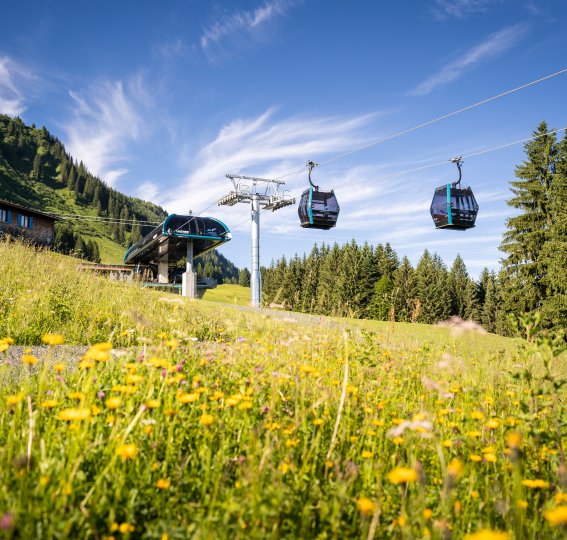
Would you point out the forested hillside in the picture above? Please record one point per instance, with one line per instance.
(36, 171)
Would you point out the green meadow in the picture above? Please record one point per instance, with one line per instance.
(199, 419)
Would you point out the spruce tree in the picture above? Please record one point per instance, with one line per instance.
(555, 250)
(458, 283)
(404, 291)
(525, 267)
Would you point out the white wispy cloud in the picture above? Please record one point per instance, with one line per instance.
(105, 119)
(242, 25)
(460, 9)
(13, 77)
(494, 46)
(265, 147)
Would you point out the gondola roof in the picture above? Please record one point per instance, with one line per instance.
(172, 235)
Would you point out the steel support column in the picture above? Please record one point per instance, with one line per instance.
(255, 278)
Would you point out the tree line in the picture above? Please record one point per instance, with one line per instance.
(372, 282)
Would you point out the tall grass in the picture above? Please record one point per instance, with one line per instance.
(266, 428)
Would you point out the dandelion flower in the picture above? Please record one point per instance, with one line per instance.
(152, 404)
(188, 398)
(49, 404)
(126, 451)
(53, 339)
(493, 423)
(74, 414)
(477, 415)
(365, 506)
(535, 484)
(126, 528)
(29, 359)
(367, 454)
(163, 483)
(14, 400)
(402, 475)
(206, 419)
(455, 468)
(60, 366)
(427, 513)
(113, 402)
(79, 396)
(557, 516)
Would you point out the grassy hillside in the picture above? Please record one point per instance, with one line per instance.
(206, 420)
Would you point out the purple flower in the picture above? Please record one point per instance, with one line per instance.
(266, 410)
(49, 392)
(101, 395)
(163, 372)
(240, 339)
(7, 522)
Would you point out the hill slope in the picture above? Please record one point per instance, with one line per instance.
(36, 171)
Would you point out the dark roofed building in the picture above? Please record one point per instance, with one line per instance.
(32, 225)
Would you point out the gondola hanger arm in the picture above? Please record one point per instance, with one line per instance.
(312, 165)
(458, 161)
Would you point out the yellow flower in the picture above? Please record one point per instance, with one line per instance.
(86, 364)
(290, 443)
(97, 355)
(188, 398)
(245, 405)
(514, 440)
(427, 513)
(60, 366)
(113, 402)
(455, 468)
(132, 378)
(43, 480)
(493, 423)
(79, 396)
(217, 395)
(365, 505)
(284, 467)
(3, 347)
(206, 419)
(367, 454)
(95, 410)
(104, 346)
(560, 497)
(522, 504)
(13, 400)
(74, 414)
(126, 528)
(474, 434)
(29, 359)
(477, 415)
(487, 534)
(535, 484)
(490, 457)
(475, 457)
(447, 443)
(126, 451)
(557, 516)
(49, 404)
(53, 339)
(163, 483)
(152, 404)
(398, 441)
(402, 475)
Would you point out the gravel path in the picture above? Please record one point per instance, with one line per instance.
(13, 369)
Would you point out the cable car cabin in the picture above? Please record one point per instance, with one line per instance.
(454, 208)
(318, 209)
(170, 238)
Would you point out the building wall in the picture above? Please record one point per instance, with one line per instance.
(41, 230)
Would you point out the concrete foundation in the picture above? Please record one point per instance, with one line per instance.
(189, 278)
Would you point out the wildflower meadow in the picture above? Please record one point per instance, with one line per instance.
(133, 414)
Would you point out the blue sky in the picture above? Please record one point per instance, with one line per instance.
(162, 99)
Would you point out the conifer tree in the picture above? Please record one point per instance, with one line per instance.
(555, 250)
(525, 267)
(404, 291)
(458, 283)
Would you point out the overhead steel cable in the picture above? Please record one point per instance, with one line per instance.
(472, 154)
(429, 122)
